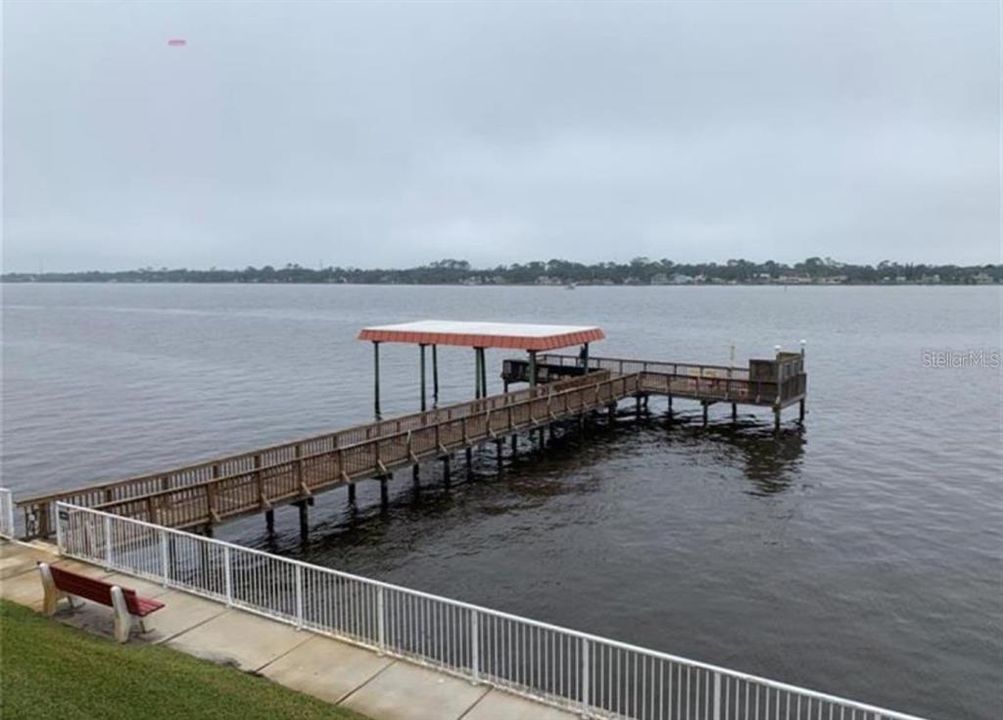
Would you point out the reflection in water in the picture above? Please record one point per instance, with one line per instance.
(535, 476)
(771, 460)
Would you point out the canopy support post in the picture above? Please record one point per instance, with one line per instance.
(532, 368)
(477, 373)
(585, 358)
(421, 347)
(435, 375)
(376, 378)
(484, 373)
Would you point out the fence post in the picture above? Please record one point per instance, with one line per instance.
(9, 513)
(717, 696)
(164, 561)
(59, 530)
(299, 597)
(259, 479)
(380, 625)
(586, 694)
(227, 576)
(298, 452)
(107, 542)
(475, 647)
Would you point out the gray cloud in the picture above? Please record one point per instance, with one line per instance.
(369, 134)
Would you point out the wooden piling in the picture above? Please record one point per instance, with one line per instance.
(705, 406)
(270, 521)
(469, 452)
(304, 520)
(801, 411)
(734, 412)
(351, 493)
(498, 447)
(384, 492)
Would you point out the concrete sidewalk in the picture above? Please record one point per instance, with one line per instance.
(340, 673)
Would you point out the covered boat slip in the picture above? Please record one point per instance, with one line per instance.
(561, 388)
(478, 336)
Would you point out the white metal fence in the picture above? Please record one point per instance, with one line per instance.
(595, 676)
(6, 513)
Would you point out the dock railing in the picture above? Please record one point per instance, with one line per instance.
(7, 529)
(624, 366)
(355, 451)
(594, 676)
(713, 383)
(303, 475)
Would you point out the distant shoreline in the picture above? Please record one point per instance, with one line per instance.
(640, 271)
(995, 283)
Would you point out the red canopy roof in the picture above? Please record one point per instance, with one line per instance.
(484, 334)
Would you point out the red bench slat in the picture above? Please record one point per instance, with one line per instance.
(141, 606)
(99, 591)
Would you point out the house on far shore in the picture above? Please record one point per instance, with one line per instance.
(548, 280)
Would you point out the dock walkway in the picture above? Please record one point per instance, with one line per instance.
(378, 686)
(209, 493)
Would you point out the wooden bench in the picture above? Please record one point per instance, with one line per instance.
(129, 607)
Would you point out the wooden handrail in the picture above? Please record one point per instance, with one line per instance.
(259, 472)
(542, 359)
(194, 505)
(107, 487)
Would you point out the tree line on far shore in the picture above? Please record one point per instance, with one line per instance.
(639, 271)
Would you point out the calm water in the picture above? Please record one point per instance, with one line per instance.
(861, 556)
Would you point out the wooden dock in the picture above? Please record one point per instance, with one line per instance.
(206, 494)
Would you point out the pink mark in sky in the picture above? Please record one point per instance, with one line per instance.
(177, 42)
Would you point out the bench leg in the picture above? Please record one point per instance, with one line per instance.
(49, 589)
(123, 620)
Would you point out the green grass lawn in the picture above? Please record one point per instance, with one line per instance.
(50, 670)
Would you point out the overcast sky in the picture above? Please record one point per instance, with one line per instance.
(395, 134)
